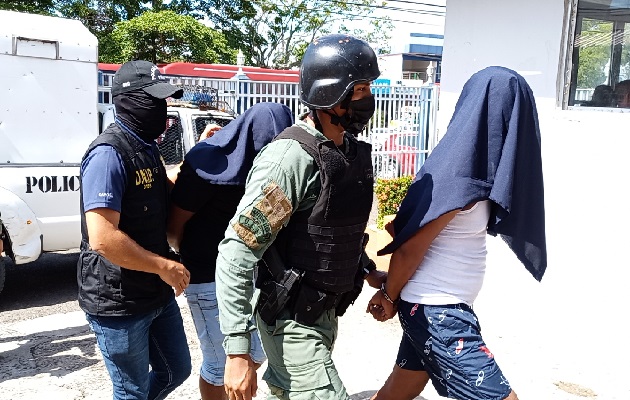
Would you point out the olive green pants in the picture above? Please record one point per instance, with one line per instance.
(299, 363)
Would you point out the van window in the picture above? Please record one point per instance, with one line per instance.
(201, 121)
(600, 60)
(171, 142)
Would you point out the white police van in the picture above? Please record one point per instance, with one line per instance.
(48, 117)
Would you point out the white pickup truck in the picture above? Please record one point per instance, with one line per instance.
(48, 117)
(184, 125)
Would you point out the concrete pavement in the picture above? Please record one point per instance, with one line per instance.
(551, 341)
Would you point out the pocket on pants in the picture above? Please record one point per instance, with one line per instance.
(298, 378)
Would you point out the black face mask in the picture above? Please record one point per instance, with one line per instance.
(358, 115)
(142, 113)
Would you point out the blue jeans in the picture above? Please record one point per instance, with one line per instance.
(202, 301)
(130, 344)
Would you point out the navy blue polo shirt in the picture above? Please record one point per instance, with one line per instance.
(103, 176)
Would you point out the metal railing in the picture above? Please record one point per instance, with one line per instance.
(402, 132)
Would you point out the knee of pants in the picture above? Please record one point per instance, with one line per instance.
(181, 374)
(212, 373)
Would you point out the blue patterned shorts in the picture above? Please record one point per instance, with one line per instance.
(445, 341)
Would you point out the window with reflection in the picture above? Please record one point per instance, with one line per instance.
(600, 75)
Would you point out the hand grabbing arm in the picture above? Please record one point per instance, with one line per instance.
(375, 278)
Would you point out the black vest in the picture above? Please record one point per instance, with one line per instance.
(106, 288)
(326, 241)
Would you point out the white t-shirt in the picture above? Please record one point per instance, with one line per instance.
(453, 269)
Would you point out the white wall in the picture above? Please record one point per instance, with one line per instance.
(586, 163)
(521, 35)
(391, 66)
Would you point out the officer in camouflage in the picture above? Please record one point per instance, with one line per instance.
(302, 220)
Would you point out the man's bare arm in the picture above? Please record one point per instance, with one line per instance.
(120, 249)
(177, 218)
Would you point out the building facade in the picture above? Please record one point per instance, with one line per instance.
(564, 49)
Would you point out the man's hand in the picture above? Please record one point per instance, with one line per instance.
(240, 377)
(210, 130)
(380, 308)
(176, 275)
(171, 174)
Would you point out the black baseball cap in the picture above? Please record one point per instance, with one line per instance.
(145, 75)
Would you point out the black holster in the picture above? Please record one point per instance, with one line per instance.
(276, 285)
(274, 296)
(287, 288)
(310, 303)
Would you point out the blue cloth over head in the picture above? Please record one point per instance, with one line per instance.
(491, 150)
(227, 156)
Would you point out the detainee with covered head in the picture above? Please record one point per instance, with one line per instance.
(484, 177)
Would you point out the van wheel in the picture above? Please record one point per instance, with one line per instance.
(3, 272)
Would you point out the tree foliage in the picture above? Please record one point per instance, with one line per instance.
(271, 33)
(164, 37)
(275, 33)
(594, 53)
(45, 7)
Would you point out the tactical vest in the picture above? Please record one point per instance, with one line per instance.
(326, 241)
(106, 288)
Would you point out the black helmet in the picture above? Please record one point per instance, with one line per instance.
(331, 66)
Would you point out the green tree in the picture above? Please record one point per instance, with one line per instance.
(100, 17)
(594, 52)
(164, 37)
(271, 33)
(45, 7)
(275, 34)
(377, 35)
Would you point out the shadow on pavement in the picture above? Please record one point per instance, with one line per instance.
(57, 353)
(367, 394)
(49, 280)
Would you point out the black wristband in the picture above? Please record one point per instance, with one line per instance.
(369, 268)
(367, 264)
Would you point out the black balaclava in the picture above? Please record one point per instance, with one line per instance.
(357, 116)
(142, 113)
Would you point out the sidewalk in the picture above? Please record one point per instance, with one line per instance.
(550, 339)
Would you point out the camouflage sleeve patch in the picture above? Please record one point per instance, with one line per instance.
(257, 226)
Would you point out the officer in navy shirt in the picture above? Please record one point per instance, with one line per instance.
(127, 282)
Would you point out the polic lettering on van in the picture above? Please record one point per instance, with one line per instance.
(47, 184)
